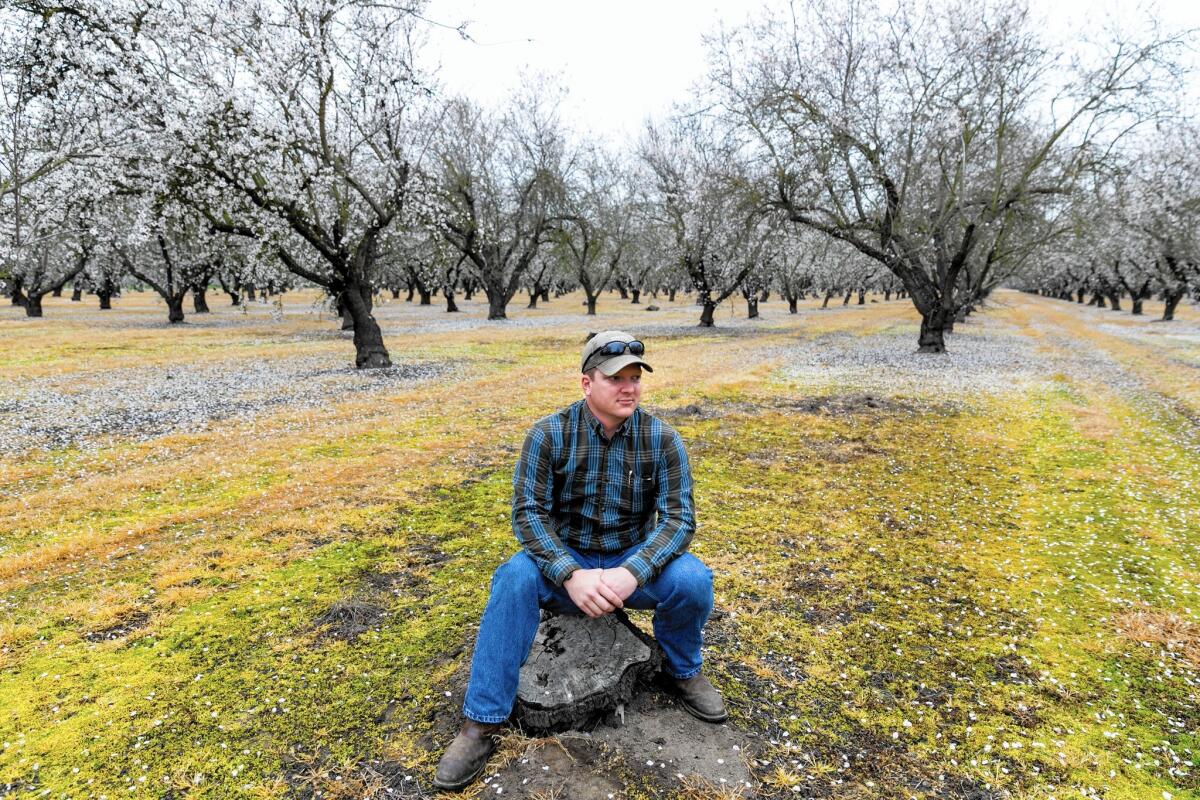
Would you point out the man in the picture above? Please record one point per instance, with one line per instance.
(602, 507)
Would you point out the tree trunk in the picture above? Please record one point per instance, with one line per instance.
(33, 305)
(534, 294)
(1137, 306)
(1172, 300)
(1081, 296)
(791, 305)
(343, 309)
(846, 299)
(751, 307)
(175, 309)
(426, 297)
(636, 296)
(497, 302)
(545, 295)
(233, 292)
(825, 302)
(623, 291)
(250, 292)
(105, 297)
(591, 303)
(17, 297)
(887, 295)
(671, 295)
(76, 293)
(1114, 302)
(933, 326)
(706, 316)
(56, 292)
(412, 290)
(369, 351)
(862, 297)
(200, 299)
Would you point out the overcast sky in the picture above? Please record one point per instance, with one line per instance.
(623, 60)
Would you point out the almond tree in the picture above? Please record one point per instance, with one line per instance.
(796, 256)
(920, 135)
(169, 248)
(714, 231)
(104, 274)
(305, 112)
(1166, 209)
(499, 177)
(52, 135)
(599, 221)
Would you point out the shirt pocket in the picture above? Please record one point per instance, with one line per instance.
(638, 494)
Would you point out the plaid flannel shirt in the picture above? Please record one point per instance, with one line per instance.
(574, 486)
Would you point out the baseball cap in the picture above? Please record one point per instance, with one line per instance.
(615, 363)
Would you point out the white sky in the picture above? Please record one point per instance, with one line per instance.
(624, 60)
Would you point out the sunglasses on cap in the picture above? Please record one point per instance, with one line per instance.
(617, 348)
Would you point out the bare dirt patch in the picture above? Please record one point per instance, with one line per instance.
(839, 405)
(657, 747)
(348, 619)
(313, 774)
(121, 628)
(843, 405)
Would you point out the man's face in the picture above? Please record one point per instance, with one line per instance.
(615, 396)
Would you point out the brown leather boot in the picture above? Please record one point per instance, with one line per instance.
(701, 699)
(466, 756)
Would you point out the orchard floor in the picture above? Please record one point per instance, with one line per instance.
(232, 566)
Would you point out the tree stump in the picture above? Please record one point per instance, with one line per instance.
(580, 669)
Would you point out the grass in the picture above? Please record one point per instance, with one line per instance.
(989, 598)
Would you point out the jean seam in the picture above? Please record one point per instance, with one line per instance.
(482, 718)
(690, 674)
(649, 594)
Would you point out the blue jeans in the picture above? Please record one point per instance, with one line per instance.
(681, 596)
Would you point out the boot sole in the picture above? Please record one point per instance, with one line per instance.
(700, 715)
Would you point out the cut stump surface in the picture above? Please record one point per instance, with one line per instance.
(580, 668)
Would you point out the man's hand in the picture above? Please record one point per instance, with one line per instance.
(621, 581)
(591, 594)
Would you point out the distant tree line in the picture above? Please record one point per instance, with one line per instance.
(1133, 232)
(259, 147)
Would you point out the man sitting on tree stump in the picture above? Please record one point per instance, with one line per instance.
(602, 507)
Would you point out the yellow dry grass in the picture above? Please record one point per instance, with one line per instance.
(1165, 628)
(1092, 422)
(1149, 347)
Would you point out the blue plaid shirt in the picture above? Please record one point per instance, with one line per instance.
(572, 485)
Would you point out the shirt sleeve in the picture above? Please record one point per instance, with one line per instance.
(676, 511)
(533, 501)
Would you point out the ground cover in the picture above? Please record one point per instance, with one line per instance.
(963, 576)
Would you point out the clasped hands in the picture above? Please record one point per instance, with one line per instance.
(597, 592)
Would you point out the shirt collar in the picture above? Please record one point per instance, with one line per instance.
(598, 426)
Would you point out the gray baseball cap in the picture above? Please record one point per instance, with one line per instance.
(612, 364)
